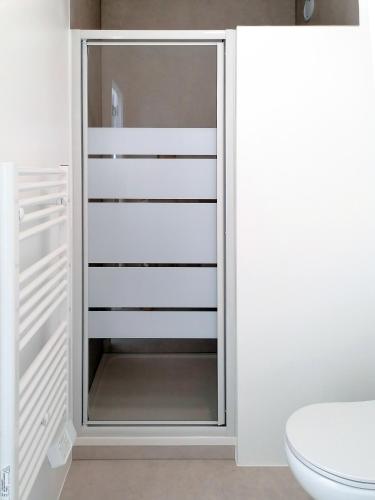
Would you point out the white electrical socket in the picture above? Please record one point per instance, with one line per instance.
(59, 451)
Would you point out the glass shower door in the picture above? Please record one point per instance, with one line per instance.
(154, 245)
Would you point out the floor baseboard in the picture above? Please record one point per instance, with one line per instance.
(154, 452)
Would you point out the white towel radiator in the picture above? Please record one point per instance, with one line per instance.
(34, 320)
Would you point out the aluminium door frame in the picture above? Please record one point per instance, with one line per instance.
(220, 208)
(225, 42)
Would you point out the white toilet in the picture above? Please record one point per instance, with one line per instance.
(331, 450)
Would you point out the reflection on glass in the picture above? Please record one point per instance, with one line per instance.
(117, 106)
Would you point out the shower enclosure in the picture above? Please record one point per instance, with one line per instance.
(154, 153)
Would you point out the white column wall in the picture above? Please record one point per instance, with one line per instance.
(35, 119)
(34, 80)
(305, 227)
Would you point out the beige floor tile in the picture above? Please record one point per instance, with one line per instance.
(178, 480)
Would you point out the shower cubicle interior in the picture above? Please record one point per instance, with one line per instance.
(153, 237)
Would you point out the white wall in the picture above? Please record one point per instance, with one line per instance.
(34, 77)
(305, 227)
(34, 120)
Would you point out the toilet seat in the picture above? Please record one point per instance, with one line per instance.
(323, 473)
(337, 441)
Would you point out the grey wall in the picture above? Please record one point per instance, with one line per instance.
(205, 14)
(161, 86)
(155, 99)
(95, 355)
(172, 91)
(328, 12)
(95, 87)
(85, 14)
(195, 14)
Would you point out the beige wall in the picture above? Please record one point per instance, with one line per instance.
(85, 14)
(195, 14)
(344, 12)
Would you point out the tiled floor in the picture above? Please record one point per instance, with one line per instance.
(178, 480)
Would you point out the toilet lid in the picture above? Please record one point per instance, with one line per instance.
(338, 438)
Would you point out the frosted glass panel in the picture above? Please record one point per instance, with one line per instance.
(152, 287)
(152, 178)
(152, 232)
(152, 141)
(152, 324)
